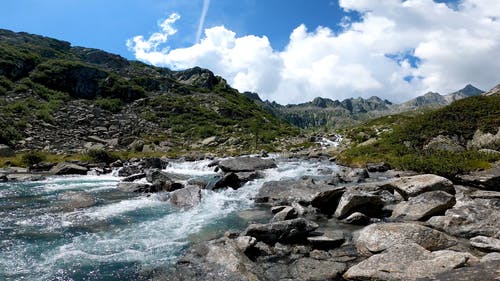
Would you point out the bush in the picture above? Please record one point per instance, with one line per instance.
(112, 105)
(33, 157)
(101, 156)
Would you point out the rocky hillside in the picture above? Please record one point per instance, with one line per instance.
(324, 112)
(57, 97)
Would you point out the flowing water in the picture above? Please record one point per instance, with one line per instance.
(122, 234)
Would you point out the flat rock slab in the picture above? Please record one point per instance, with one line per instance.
(378, 237)
(403, 262)
(486, 179)
(65, 168)
(486, 243)
(288, 191)
(282, 231)
(424, 205)
(414, 185)
(312, 269)
(246, 164)
(480, 272)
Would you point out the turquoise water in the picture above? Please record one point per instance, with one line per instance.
(122, 236)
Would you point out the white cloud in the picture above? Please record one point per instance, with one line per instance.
(454, 46)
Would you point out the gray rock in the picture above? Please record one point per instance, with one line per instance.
(186, 197)
(287, 213)
(325, 242)
(283, 231)
(312, 269)
(287, 191)
(129, 170)
(443, 143)
(485, 140)
(156, 174)
(6, 151)
(414, 185)
(245, 242)
(355, 175)
(133, 187)
(74, 200)
(246, 164)
(357, 218)
(327, 201)
(356, 201)
(378, 237)
(228, 180)
(486, 179)
(134, 177)
(423, 206)
(495, 256)
(479, 272)
(65, 168)
(404, 262)
(378, 167)
(486, 243)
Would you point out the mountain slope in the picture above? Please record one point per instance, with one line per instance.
(61, 98)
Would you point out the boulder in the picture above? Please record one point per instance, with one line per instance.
(129, 170)
(246, 164)
(484, 140)
(486, 179)
(156, 174)
(357, 218)
(287, 191)
(486, 243)
(133, 187)
(134, 177)
(495, 256)
(404, 262)
(65, 168)
(479, 272)
(6, 151)
(287, 213)
(378, 167)
(412, 186)
(378, 237)
(347, 175)
(358, 201)
(312, 269)
(423, 206)
(228, 180)
(443, 143)
(186, 197)
(245, 242)
(75, 200)
(327, 201)
(326, 242)
(282, 231)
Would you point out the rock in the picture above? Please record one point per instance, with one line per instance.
(287, 213)
(484, 140)
(283, 231)
(246, 164)
(156, 174)
(495, 256)
(228, 180)
(186, 197)
(404, 262)
(414, 185)
(487, 179)
(133, 187)
(423, 206)
(327, 201)
(325, 242)
(287, 191)
(245, 242)
(134, 177)
(116, 164)
(3, 178)
(443, 143)
(355, 175)
(209, 141)
(129, 170)
(356, 201)
(168, 186)
(6, 151)
(357, 218)
(154, 163)
(312, 269)
(65, 168)
(248, 176)
(42, 167)
(486, 243)
(478, 272)
(377, 237)
(24, 177)
(76, 200)
(277, 209)
(378, 167)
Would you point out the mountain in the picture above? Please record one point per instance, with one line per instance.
(324, 112)
(61, 98)
(493, 92)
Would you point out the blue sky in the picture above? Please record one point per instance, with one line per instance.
(289, 50)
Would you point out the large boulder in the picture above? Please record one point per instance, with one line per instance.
(485, 140)
(281, 231)
(358, 201)
(287, 191)
(186, 197)
(423, 206)
(6, 151)
(228, 180)
(327, 201)
(478, 272)
(404, 262)
(313, 269)
(414, 185)
(378, 237)
(486, 243)
(246, 164)
(485, 179)
(65, 168)
(443, 143)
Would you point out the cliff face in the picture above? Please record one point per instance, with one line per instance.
(57, 97)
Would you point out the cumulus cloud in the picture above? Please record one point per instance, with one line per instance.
(398, 50)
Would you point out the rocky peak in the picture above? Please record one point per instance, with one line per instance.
(197, 76)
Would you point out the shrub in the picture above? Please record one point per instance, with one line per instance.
(33, 157)
(101, 156)
(112, 105)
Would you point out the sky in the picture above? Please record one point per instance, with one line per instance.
(289, 51)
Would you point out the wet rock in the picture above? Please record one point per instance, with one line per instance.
(283, 231)
(356, 201)
(357, 218)
(378, 167)
(347, 175)
(312, 269)
(412, 186)
(277, 209)
(245, 242)
(287, 213)
(129, 170)
(76, 200)
(154, 163)
(133, 187)
(486, 243)
(3, 177)
(6, 151)
(246, 164)
(255, 215)
(287, 191)
(487, 179)
(375, 238)
(249, 176)
(65, 168)
(168, 186)
(186, 197)
(478, 272)
(327, 201)
(134, 177)
(156, 174)
(326, 242)
(228, 180)
(24, 177)
(404, 262)
(423, 206)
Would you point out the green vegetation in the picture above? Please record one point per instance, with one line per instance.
(33, 157)
(401, 145)
(112, 105)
